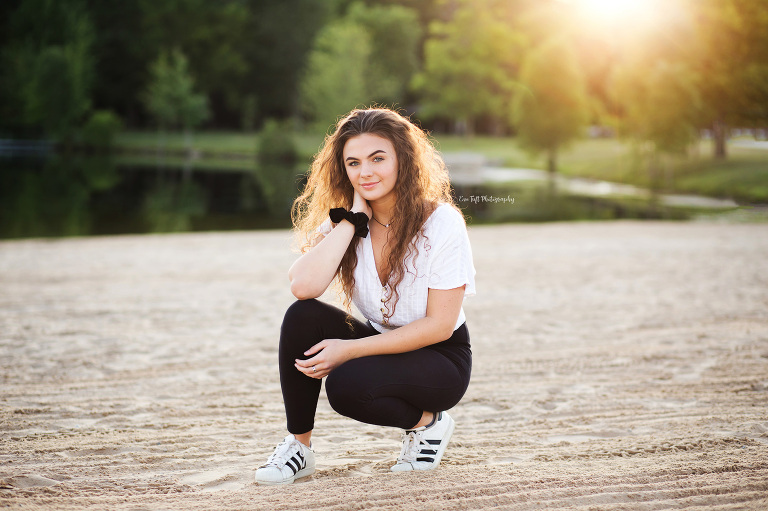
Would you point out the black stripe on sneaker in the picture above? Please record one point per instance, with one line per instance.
(434, 442)
(294, 464)
(430, 460)
(428, 451)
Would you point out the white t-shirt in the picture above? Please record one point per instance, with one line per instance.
(444, 262)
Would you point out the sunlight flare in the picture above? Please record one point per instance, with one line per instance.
(617, 13)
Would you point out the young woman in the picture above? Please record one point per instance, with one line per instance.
(376, 215)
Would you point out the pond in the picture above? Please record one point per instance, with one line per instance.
(100, 195)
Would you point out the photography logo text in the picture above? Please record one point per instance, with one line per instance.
(476, 199)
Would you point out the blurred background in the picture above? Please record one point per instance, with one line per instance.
(185, 115)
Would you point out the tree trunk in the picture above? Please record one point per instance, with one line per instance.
(552, 168)
(188, 141)
(719, 132)
(160, 156)
(653, 179)
(465, 127)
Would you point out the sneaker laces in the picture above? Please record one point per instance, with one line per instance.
(412, 441)
(282, 454)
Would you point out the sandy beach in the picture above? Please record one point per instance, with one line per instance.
(617, 365)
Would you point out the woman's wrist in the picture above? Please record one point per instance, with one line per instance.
(355, 348)
(358, 219)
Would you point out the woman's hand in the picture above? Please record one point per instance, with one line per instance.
(360, 205)
(329, 354)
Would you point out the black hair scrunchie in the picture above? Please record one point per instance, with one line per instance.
(359, 220)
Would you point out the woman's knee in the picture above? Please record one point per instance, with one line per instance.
(302, 318)
(299, 330)
(302, 310)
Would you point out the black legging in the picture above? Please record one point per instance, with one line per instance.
(387, 390)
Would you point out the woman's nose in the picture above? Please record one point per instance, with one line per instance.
(366, 170)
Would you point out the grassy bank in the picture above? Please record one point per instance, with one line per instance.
(212, 144)
(742, 177)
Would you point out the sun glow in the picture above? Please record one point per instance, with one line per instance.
(617, 13)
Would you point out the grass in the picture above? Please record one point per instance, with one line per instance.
(211, 144)
(212, 163)
(743, 176)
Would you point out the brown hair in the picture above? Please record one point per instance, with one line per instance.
(422, 183)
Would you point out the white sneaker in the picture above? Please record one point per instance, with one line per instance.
(291, 460)
(423, 447)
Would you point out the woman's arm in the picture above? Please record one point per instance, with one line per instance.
(443, 307)
(314, 271)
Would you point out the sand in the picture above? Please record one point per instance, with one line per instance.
(619, 365)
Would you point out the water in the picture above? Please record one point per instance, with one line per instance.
(81, 196)
(94, 195)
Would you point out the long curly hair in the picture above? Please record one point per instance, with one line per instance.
(422, 184)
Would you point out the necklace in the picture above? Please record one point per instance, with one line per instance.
(385, 225)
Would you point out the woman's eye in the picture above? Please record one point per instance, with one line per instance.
(378, 158)
(352, 164)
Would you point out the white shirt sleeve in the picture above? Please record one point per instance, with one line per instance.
(450, 256)
(325, 228)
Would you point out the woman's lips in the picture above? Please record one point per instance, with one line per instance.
(368, 186)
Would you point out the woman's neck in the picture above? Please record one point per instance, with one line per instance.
(383, 211)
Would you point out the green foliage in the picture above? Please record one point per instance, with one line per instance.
(335, 80)
(279, 38)
(551, 111)
(731, 55)
(368, 56)
(394, 35)
(276, 167)
(170, 97)
(236, 48)
(48, 68)
(661, 104)
(249, 56)
(470, 64)
(212, 35)
(101, 129)
(58, 108)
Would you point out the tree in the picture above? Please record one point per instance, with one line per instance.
(236, 49)
(732, 60)
(59, 108)
(122, 51)
(394, 36)
(335, 80)
(100, 130)
(48, 68)
(661, 105)
(367, 56)
(170, 96)
(550, 111)
(470, 65)
(213, 36)
(281, 34)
